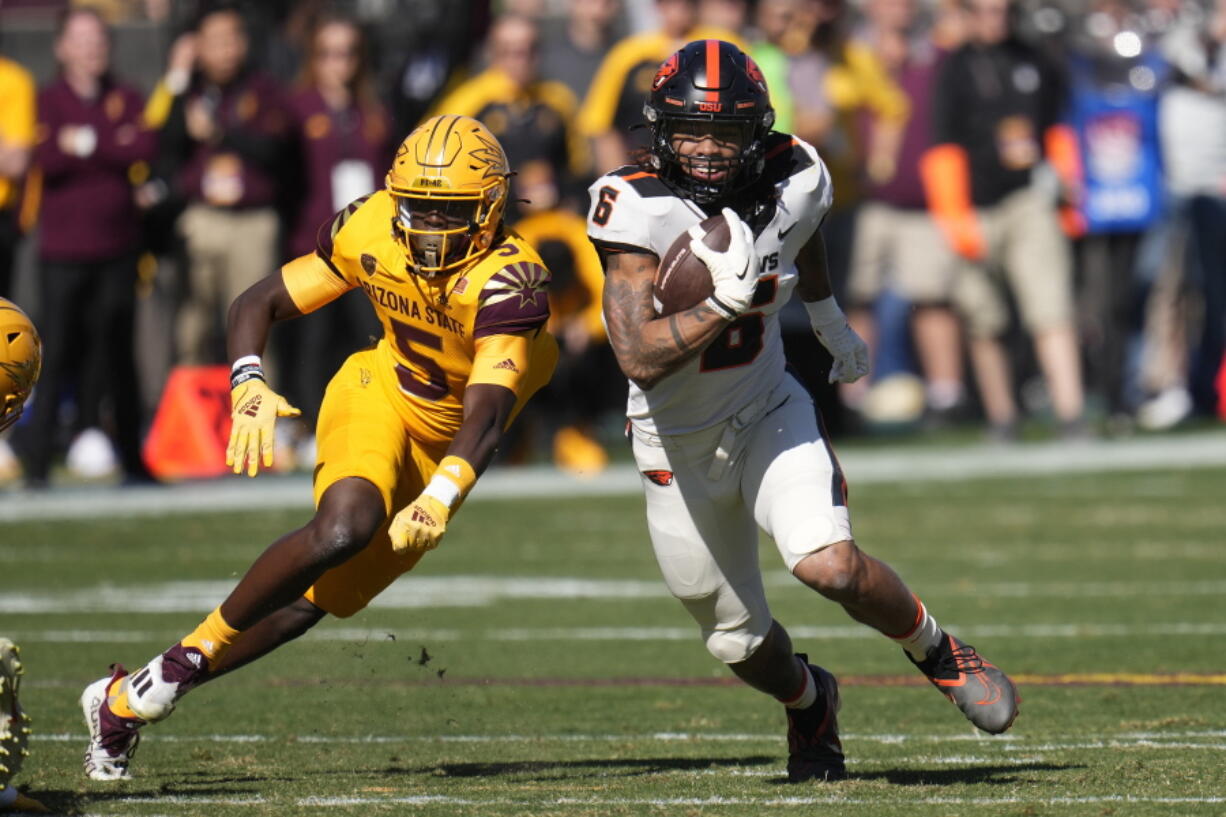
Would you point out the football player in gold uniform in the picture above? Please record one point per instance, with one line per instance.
(21, 356)
(21, 359)
(405, 426)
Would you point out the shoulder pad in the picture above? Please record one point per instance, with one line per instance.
(644, 182)
(513, 299)
(785, 157)
(332, 228)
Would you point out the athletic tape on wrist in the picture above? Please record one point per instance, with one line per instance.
(452, 480)
(444, 490)
(824, 313)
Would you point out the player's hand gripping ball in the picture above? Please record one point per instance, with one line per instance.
(713, 259)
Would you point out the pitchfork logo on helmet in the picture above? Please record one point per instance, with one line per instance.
(449, 183)
(21, 359)
(709, 88)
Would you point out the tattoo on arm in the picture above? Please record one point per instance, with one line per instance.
(675, 327)
(648, 347)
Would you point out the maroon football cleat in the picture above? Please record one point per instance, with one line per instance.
(153, 689)
(112, 739)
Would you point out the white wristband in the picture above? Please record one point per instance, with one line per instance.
(824, 312)
(444, 490)
(246, 360)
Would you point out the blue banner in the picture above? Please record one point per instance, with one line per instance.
(1117, 131)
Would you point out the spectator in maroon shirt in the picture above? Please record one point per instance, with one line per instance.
(344, 135)
(90, 135)
(897, 246)
(222, 148)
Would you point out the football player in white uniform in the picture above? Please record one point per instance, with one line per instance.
(726, 440)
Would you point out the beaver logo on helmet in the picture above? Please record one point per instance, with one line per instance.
(755, 73)
(667, 69)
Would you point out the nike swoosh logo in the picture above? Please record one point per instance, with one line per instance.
(783, 233)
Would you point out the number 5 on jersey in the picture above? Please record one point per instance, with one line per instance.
(433, 386)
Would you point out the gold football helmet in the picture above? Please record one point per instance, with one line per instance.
(21, 359)
(449, 183)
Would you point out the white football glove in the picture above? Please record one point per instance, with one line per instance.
(850, 353)
(734, 271)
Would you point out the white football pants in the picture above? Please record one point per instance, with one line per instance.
(709, 491)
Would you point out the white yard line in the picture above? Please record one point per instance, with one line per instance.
(334, 801)
(1197, 739)
(832, 799)
(415, 591)
(862, 466)
(377, 636)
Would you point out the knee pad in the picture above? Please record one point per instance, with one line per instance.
(811, 533)
(734, 624)
(733, 646)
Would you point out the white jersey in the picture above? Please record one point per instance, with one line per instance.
(633, 211)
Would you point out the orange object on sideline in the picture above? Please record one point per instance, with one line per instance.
(192, 425)
(1060, 143)
(946, 174)
(1221, 389)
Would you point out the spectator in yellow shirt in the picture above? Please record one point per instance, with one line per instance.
(16, 144)
(532, 117)
(614, 103)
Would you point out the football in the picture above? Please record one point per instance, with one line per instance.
(682, 279)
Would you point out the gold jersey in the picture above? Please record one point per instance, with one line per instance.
(433, 328)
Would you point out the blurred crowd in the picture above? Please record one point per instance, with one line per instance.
(1029, 217)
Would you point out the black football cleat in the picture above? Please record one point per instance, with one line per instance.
(814, 749)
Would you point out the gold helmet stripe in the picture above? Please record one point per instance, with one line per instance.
(435, 151)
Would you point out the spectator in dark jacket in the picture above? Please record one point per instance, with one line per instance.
(996, 136)
(225, 138)
(90, 136)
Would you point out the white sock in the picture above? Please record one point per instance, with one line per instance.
(943, 394)
(806, 695)
(924, 634)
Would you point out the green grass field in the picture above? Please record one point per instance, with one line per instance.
(534, 665)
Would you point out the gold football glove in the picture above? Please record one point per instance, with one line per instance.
(419, 526)
(254, 409)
